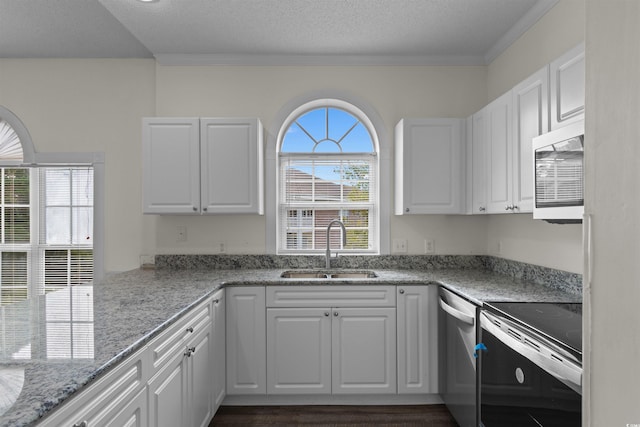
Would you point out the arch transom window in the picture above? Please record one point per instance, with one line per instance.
(328, 169)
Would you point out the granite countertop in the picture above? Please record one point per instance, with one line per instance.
(53, 345)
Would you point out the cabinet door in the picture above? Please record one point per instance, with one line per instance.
(476, 161)
(429, 173)
(363, 350)
(231, 165)
(417, 340)
(246, 340)
(567, 87)
(499, 154)
(132, 415)
(168, 400)
(171, 165)
(298, 351)
(530, 119)
(200, 383)
(219, 349)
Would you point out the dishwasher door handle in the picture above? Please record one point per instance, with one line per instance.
(463, 317)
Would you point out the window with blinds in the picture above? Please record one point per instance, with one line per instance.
(46, 230)
(327, 170)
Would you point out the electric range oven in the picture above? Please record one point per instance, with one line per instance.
(530, 370)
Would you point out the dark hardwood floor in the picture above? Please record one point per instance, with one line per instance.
(343, 416)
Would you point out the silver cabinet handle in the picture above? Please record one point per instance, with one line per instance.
(401, 291)
(190, 329)
(195, 209)
(204, 209)
(80, 424)
(216, 301)
(406, 209)
(515, 207)
(326, 313)
(189, 351)
(336, 314)
(508, 208)
(482, 209)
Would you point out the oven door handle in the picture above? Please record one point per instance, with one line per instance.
(463, 317)
(551, 362)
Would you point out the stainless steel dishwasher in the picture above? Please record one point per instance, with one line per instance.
(459, 388)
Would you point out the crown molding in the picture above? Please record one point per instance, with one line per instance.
(316, 60)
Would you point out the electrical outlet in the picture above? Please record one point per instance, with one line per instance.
(181, 233)
(429, 246)
(399, 246)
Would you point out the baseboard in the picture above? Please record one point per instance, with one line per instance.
(383, 399)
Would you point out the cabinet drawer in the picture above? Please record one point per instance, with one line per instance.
(331, 296)
(105, 399)
(170, 342)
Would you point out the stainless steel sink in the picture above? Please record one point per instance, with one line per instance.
(301, 274)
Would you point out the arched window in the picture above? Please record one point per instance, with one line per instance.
(327, 170)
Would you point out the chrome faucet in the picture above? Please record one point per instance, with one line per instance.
(344, 240)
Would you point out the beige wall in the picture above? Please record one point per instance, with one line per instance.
(612, 290)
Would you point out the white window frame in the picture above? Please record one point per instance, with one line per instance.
(374, 124)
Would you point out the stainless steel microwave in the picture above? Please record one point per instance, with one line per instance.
(559, 174)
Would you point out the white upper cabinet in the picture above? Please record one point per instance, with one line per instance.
(567, 87)
(476, 164)
(429, 173)
(202, 166)
(171, 165)
(511, 122)
(231, 165)
(530, 119)
(498, 154)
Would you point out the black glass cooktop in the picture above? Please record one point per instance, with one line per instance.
(560, 322)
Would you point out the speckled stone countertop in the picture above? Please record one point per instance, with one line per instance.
(44, 360)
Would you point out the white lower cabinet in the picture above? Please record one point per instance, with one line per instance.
(181, 392)
(363, 350)
(299, 351)
(316, 345)
(417, 339)
(246, 340)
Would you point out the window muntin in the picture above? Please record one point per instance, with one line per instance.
(328, 170)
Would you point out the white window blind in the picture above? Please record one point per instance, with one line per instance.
(66, 226)
(15, 234)
(316, 189)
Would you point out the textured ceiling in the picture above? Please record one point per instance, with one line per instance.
(268, 31)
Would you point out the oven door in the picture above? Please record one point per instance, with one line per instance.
(515, 390)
